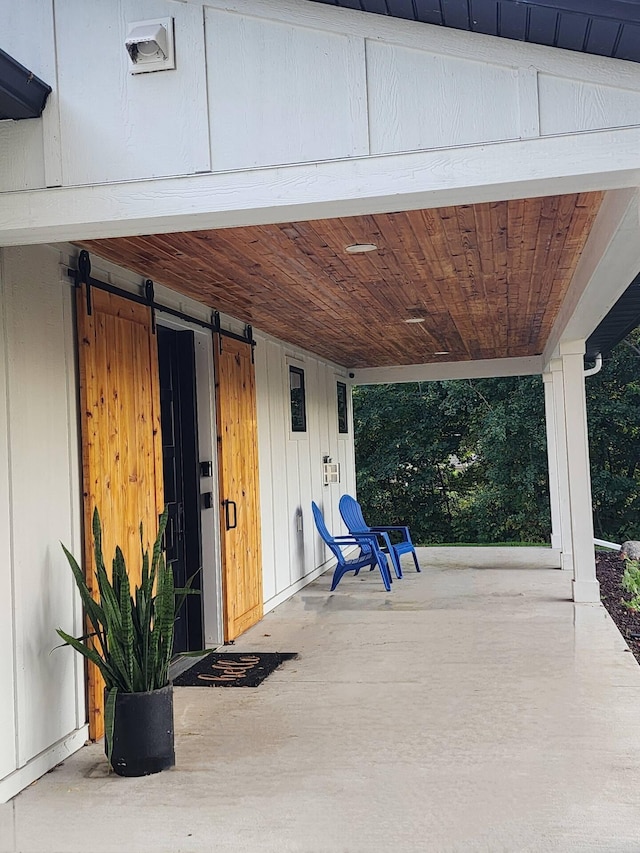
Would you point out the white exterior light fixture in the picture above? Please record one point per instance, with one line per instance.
(150, 46)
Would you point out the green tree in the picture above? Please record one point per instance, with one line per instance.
(510, 498)
(466, 460)
(458, 461)
(405, 436)
(613, 409)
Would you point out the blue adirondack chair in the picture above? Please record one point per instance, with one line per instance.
(351, 512)
(370, 554)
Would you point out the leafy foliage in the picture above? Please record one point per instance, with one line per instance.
(613, 404)
(631, 583)
(131, 636)
(466, 461)
(131, 641)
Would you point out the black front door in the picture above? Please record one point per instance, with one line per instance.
(176, 355)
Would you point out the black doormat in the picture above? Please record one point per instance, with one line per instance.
(232, 669)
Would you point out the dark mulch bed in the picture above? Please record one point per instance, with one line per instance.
(609, 569)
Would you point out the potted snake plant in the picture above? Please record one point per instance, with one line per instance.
(130, 640)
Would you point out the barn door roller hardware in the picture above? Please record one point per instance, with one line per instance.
(82, 275)
(150, 294)
(246, 338)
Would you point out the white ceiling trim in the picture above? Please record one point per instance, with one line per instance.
(480, 369)
(582, 162)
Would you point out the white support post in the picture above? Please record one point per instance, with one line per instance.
(558, 466)
(552, 460)
(585, 585)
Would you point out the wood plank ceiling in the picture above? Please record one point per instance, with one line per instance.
(486, 280)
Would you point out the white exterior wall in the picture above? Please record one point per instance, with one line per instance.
(344, 85)
(42, 713)
(41, 691)
(291, 473)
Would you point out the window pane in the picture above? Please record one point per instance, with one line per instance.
(298, 405)
(343, 423)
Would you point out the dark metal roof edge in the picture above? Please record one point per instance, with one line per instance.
(22, 94)
(607, 28)
(627, 11)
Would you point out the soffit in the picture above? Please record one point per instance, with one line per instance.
(488, 279)
(621, 319)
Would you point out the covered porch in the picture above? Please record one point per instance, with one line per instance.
(496, 185)
(475, 708)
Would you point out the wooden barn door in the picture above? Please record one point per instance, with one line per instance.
(239, 495)
(121, 442)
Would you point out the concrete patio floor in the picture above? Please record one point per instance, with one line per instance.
(470, 709)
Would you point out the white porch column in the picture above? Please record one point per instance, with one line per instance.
(557, 459)
(552, 460)
(585, 586)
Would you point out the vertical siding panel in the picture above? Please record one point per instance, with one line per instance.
(40, 484)
(291, 464)
(140, 141)
(296, 564)
(310, 464)
(75, 476)
(30, 150)
(325, 491)
(8, 757)
(330, 411)
(349, 448)
(279, 407)
(310, 105)
(265, 440)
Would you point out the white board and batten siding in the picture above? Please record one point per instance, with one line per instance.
(142, 125)
(260, 84)
(309, 104)
(291, 466)
(30, 150)
(42, 714)
(41, 690)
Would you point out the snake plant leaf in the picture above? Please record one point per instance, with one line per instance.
(109, 720)
(88, 652)
(131, 631)
(125, 613)
(92, 608)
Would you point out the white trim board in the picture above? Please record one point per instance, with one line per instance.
(581, 162)
(480, 369)
(42, 763)
(609, 262)
(436, 39)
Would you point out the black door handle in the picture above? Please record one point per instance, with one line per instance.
(227, 514)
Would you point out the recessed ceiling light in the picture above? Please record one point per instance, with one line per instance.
(415, 320)
(360, 248)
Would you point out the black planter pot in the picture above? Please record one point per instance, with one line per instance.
(143, 733)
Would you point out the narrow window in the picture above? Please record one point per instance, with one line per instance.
(343, 422)
(298, 404)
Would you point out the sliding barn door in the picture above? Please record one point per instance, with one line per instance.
(121, 442)
(238, 467)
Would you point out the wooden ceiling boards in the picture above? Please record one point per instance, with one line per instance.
(486, 280)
